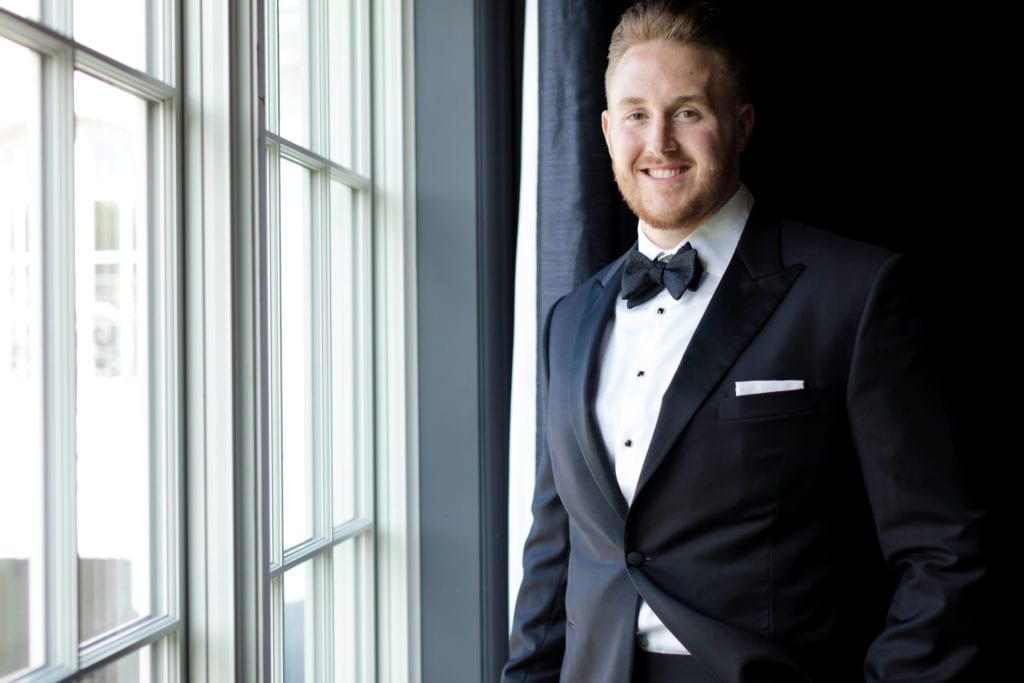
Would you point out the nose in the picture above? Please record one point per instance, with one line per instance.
(660, 137)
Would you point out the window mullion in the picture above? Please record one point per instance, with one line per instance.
(57, 15)
(396, 509)
(160, 457)
(362, 244)
(155, 63)
(319, 36)
(318, 380)
(322, 605)
(272, 68)
(322, 354)
(276, 516)
(311, 617)
(277, 634)
(323, 441)
(362, 93)
(321, 385)
(325, 444)
(366, 603)
(211, 220)
(59, 352)
(165, 416)
(319, 97)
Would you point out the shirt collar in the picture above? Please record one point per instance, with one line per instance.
(715, 239)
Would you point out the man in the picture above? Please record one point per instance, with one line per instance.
(722, 401)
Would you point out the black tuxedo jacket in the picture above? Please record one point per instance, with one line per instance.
(746, 533)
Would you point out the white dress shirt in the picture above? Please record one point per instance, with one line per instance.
(641, 350)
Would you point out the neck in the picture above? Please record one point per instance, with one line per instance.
(666, 238)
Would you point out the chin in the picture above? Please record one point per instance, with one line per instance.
(682, 218)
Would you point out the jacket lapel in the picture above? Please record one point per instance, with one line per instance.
(599, 308)
(751, 288)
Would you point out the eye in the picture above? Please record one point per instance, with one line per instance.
(688, 115)
(635, 116)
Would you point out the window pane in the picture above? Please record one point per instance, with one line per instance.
(113, 359)
(26, 8)
(115, 27)
(298, 622)
(347, 631)
(296, 352)
(139, 666)
(294, 72)
(342, 82)
(342, 352)
(21, 364)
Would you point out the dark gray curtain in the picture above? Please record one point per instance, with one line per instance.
(582, 222)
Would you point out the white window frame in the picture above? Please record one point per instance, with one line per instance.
(229, 534)
(396, 371)
(61, 56)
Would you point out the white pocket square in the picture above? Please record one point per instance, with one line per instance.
(764, 386)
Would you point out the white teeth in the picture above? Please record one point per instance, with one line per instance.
(663, 172)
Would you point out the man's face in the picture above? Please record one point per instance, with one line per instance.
(675, 129)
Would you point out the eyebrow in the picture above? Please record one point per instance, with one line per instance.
(682, 99)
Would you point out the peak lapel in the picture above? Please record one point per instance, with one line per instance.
(751, 288)
(599, 309)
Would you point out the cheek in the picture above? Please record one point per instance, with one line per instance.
(625, 147)
(708, 148)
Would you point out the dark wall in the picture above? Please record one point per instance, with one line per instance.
(880, 122)
(467, 71)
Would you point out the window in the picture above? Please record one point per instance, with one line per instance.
(197, 280)
(320, 348)
(90, 553)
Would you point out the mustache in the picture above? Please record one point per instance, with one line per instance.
(665, 160)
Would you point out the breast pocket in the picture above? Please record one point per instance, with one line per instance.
(770, 404)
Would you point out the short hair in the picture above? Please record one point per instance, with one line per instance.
(702, 24)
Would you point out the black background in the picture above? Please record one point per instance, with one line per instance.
(883, 122)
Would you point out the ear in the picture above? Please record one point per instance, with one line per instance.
(605, 125)
(745, 125)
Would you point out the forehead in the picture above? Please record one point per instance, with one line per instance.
(667, 69)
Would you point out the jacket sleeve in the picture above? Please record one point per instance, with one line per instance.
(537, 641)
(926, 527)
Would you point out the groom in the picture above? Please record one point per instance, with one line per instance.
(723, 400)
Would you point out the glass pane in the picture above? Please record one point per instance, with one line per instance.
(343, 389)
(139, 666)
(298, 625)
(293, 71)
(113, 357)
(347, 631)
(22, 605)
(342, 83)
(26, 8)
(114, 27)
(296, 352)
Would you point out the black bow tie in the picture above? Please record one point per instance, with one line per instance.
(643, 278)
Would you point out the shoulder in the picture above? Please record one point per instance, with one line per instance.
(803, 243)
(831, 259)
(580, 295)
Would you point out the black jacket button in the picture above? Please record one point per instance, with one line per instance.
(635, 558)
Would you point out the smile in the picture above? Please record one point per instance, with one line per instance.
(664, 173)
